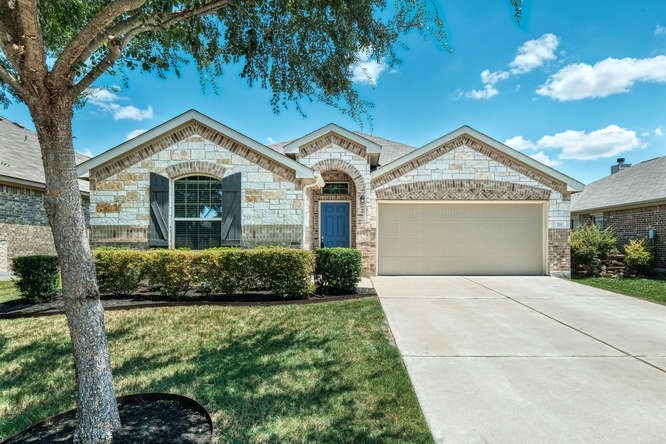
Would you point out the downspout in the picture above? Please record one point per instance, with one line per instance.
(318, 183)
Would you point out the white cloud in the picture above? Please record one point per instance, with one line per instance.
(534, 53)
(133, 134)
(605, 142)
(131, 112)
(610, 76)
(108, 101)
(367, 70)
(579, 145)
(270, 141)
(660, 30)
(531, 55)
(658, 132)
(520, 143)
(86, 152)
(487, 92)
(545, 159)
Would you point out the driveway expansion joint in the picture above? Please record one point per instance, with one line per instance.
(636, 357)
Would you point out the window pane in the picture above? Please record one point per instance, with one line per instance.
(198, 197)
(198, 234)
(336, 188)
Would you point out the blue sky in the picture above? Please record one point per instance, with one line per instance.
(576, 85)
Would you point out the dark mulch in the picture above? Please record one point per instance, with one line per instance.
(20, 308)
(143, 421)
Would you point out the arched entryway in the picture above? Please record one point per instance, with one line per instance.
(333, 211)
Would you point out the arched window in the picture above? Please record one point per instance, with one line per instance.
(197, 212)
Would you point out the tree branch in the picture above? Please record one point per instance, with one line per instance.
(92, 31)
(129, 29)
(30, 37)
(11, 81)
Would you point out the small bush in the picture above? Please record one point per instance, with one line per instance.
(589, 246)
(338, 270)
(639, 257)
(119, 271)
(287, 272)
(37, 277)
(174, 270)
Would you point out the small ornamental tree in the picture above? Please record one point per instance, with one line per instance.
(52, 51)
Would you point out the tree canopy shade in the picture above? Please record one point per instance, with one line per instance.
(52, 52)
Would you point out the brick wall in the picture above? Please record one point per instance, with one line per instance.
(24, 227)
(634, 224)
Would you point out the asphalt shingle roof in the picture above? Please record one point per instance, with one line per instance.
(642, 183)
(391, 149)
(20, 155)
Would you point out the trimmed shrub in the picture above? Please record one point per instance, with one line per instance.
(119, 271)
(589, 246)
(639, 257)
(285, 272)
(37, 277)
(338, 270)
(174, 270)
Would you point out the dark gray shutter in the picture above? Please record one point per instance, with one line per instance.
(231, 209)
(159, 211)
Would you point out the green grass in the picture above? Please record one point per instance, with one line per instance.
(650, 289)
(8, 291)
(299, 373)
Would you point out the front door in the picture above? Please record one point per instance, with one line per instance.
(334, 227)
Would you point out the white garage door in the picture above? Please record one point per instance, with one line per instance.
(460, 238)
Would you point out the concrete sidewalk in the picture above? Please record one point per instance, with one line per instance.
(530, 359)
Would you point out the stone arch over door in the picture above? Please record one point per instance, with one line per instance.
(337, 170)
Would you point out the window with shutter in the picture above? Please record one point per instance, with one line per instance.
(198, 208)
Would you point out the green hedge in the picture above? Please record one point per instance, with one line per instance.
(37, 277)
(338, 270)
(590, 245)
(285, 272)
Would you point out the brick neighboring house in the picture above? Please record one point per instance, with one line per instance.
(462, 204)
(24, 227)
(632, 200)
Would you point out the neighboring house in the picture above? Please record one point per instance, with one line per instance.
(24, 227)
(632, 200)
(463, 204)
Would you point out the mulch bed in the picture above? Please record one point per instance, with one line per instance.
(20, 308)
(148, 418)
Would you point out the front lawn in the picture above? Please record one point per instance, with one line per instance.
(651, 289)
(298, 373)
(8, 291)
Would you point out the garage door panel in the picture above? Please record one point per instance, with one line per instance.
(460, 238)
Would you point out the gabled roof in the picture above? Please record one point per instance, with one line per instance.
(391, 150)
(643, 183)
(572, 184)
(21, 157)
(293, 146)
(301, 171)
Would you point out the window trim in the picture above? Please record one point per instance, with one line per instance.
(338, 182)
(172, 206)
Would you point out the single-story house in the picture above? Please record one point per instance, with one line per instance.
(462, 204)
(632, 200)
(24, 227)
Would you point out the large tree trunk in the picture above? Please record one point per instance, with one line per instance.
(97, 411)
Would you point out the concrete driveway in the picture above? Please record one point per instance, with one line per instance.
(530, 359)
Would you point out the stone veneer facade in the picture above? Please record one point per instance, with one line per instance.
(271, 205)
(466, 169)
(24, 225)
(279, 209)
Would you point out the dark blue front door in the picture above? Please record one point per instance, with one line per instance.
(335, 224)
